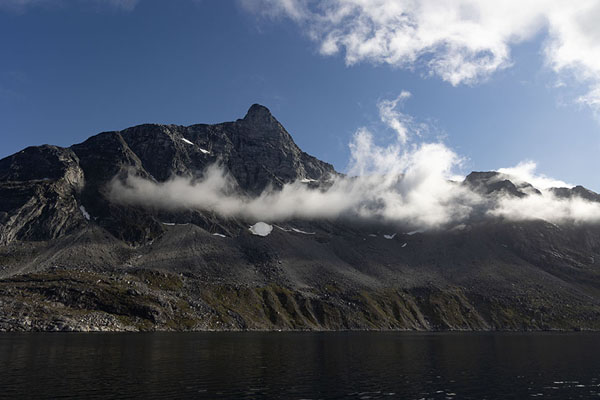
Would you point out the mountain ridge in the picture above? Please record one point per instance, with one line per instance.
(71, 259)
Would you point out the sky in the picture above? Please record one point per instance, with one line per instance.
(501, 85)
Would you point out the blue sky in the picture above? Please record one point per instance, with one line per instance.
(71, 69)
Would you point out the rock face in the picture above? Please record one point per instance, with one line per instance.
(496, 183)
(70, 259)
(577, 191)
(39, 188)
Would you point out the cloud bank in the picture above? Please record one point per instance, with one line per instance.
(420, 196)
(416, 185)
(461, 41)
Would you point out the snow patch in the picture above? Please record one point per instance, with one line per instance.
(303, 232)
(294, 230)
(86, 215)
(413, 232)
(404, 244)
(372, 235)
(192, 143)
(389, 236)
(169, 223)
(219, 235)
(307, 180)
(261, 229)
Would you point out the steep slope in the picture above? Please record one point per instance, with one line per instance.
(70, 259)
(39, 188)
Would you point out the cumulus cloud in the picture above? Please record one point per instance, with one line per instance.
(415, 185)
(462, 41)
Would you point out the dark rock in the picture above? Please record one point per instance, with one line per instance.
(577, 191)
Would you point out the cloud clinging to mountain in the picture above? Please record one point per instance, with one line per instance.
(409, 182)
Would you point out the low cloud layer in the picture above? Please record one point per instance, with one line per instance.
(547, 207)
(417, 185)
(462, 41)
(419, 196)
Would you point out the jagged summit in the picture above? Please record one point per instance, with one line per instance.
(489, 182)
(259, 114)
(259, 123)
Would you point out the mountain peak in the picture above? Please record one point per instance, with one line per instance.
(259, 115)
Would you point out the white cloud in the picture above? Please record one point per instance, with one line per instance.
(393, 118)
(419, 197)
(526, 172)
(461, 41)
(574, 45)
(410, 188)
(547, 207)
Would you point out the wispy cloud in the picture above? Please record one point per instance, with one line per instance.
(462, 42)
(391, 116)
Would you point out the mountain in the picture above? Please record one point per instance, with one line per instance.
(45, 186)
(73, 259)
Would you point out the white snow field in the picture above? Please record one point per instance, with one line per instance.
(261, 229)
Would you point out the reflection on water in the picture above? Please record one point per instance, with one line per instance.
(300, 365)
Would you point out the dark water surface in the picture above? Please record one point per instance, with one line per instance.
(300, 366)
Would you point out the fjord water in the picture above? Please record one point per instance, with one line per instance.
(354, 365)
